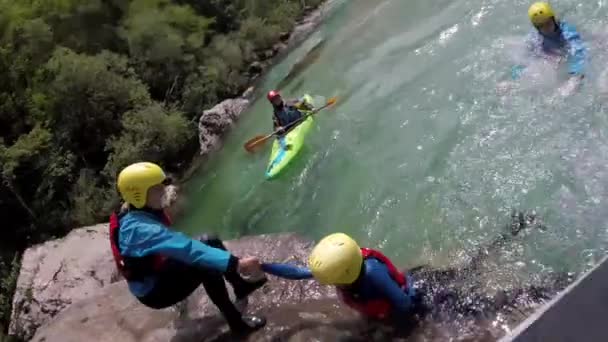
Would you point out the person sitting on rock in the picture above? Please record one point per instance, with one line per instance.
(163, 267)
(286, 113)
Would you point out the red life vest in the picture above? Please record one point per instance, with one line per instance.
(134, 269)
(379, 308)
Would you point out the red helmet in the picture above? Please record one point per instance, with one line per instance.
(272, 95)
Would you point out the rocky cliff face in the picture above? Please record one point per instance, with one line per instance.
(59, 272)
(70, 287)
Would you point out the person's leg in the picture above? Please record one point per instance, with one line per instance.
(176, 281)
(242, 288)
(217, 292)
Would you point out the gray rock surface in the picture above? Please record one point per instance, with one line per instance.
(71, 285)
(113, 315)
(58, 273)
(216, 121)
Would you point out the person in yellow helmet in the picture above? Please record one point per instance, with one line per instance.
(554, 37)
(366, 279)
(162, 266)
(370, 283)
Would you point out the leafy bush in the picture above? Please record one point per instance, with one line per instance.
(87, 87)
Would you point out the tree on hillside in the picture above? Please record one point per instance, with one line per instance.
(87, 87)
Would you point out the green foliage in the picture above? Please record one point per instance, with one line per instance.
(8, 282)
(150, 133)
(258, 33)
(87, 87)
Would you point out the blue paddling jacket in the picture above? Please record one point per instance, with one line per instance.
(375, 291)
(565, 41)
(142, 242)
(289, 112)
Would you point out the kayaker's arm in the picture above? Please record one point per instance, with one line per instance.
(276, 126)
(303, 105)
(275, 122)
(287, 271)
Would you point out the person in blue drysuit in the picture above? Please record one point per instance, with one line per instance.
(554, 38)
(369, 282)
(366, 280)
(163, 267)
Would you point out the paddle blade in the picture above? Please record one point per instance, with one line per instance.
(251, 145)
(331, 101)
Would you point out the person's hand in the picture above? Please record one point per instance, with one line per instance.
(281, 129)
(249, 266)
(570, 86)
(505, 87)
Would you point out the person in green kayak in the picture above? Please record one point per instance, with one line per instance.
(286, 113)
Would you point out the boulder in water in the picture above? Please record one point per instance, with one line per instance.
(216, 121)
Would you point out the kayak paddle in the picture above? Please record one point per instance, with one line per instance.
(260, 139)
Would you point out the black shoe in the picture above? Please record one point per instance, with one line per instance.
(245, 288)
(247, 325)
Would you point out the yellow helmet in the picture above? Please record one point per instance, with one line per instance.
(336, 260)
(540, 13)
(135, 180)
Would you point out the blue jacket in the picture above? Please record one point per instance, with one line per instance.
(375, 283)
(142, 234)
(566, 41)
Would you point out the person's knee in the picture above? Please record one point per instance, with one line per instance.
(153, 304)
(212, 240)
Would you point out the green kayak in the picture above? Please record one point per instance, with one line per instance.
(287, 147)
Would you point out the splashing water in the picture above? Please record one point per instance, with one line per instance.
(426, 154)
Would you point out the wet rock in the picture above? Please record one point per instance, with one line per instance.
(216, 121)
(268, 54)
(284, 36)
(57, 273)
(256, 67)
(278, 48)
(248, 93)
